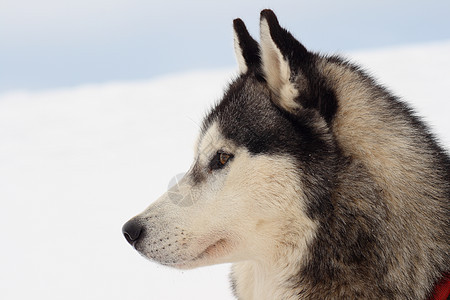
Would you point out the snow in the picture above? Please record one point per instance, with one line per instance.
(75, 164)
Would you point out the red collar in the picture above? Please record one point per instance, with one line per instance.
(442, 289)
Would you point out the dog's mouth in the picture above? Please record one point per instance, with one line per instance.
(215, 250)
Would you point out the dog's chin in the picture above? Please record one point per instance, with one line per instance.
(213, 254)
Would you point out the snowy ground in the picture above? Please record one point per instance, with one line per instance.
(75, 164)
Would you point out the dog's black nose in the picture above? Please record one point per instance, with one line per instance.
(132, 230)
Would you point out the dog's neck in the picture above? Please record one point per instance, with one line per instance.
(255, 280)
(274, 272)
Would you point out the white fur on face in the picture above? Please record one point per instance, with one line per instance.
(212, 141)
(241, 212)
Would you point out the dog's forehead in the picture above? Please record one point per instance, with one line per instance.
(242, 96)
(226, 113)
(247, 117)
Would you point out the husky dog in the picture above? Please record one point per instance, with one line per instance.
(310, 177)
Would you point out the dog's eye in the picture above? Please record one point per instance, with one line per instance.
(220, 160)
(223, 158)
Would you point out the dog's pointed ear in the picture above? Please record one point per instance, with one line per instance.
(246, 48)
(281, 56)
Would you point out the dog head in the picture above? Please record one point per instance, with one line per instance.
(261, 163)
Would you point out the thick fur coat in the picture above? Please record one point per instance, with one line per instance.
(314, 180)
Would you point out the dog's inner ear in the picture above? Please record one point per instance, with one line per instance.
(246, 48)
(281, 54)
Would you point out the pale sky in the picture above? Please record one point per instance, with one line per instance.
(49, 44)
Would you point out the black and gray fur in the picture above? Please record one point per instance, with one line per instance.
(331, 187)
(380, 235)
